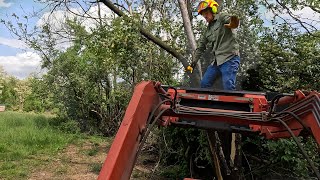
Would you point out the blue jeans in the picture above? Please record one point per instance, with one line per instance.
(228, 72)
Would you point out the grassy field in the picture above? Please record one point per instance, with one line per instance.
(30, 148)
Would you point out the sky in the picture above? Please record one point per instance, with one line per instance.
(18, 60)
(15, 57)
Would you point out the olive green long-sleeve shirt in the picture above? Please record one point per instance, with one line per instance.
(218, 43)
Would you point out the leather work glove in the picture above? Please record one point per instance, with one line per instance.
(191, 66)
(234, 22)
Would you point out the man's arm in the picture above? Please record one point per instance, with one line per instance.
(199, 51)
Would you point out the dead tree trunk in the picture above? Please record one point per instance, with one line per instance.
(189, 32)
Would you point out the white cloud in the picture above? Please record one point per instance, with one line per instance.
(57, 20)
(4, 4)
(21, 65)
(13, 43)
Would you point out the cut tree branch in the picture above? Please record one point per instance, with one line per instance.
(194, 78)
(145, 33)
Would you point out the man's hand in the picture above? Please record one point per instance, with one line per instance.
(234, 22)
(191, 66)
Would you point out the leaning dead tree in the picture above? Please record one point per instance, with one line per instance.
(189, 32)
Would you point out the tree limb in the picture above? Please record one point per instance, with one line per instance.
(297, 19)
(156, 40)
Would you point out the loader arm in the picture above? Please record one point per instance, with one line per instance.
(283, 116)
(121, 156)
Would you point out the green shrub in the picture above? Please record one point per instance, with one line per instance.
(284, 157)
(65, 125)
(70, 126)
(182, 146)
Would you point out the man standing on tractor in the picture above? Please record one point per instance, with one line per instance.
(219, 46)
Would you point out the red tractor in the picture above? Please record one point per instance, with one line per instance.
(235, 111)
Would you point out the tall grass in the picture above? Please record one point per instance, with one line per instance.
(23, 137)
